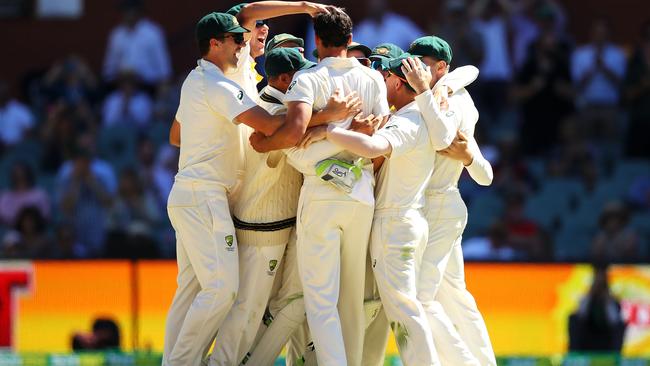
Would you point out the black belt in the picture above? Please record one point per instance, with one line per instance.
(267, 226)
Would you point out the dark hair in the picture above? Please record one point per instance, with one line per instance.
(35, 214)
(27, 169)
(204, 46)
(108, 325)
(334, 28)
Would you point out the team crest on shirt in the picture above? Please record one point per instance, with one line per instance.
(229, 241)
(273, 263)
(291, 85)
(240, 95)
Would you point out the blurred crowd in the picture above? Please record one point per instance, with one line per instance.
(86, 165)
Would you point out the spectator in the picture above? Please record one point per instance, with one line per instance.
(510, 170)
(166, 102)
(527, 21)
(461, 35)
(616, 240)
(156, 172)
(70, 81)
(22, 194)
(66, 245)
(639, 193)
(139, 45)
(16, 120)
(134, 205)
(523, 234)
(597, 69)
(490, 19)
(492, 247)
(597, 325)
(85, 187)
(105, 336)
(32, 228)
(636, 94)
(127, 105)
(381, 25)
(12, 246)
(62, 128)
(571, 152)
(543, 89)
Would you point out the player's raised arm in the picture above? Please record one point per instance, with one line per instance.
(248, 14)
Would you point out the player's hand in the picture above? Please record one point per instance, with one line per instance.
(256, 140)
(314, 9)
(459, 150)
(368, 125)
(340, 107)
(419, 77)
(312, 135)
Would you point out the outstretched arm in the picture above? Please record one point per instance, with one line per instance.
(359, 143)
(271, 9)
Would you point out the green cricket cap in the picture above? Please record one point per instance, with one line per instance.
(433, 46)
(281, 38)
(283, 59)
(386, 51)
(216, 24)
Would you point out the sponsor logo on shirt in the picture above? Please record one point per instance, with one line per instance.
(240, 95)
(291, 85)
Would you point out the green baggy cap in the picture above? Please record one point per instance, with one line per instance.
(216, 24)
(433, 46)
(283, 59)
(281, 38)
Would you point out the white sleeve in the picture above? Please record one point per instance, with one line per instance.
(301, 89)
(480, 169)
(381, 107)
(402, 135)
(441, 125)
(228, 99)
(306, 159)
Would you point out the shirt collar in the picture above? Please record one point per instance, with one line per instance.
(413, 106)
(208, 66)
(340, 62)
(273, 92)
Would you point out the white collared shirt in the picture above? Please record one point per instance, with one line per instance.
(142, 49)
(243, 74)
(405, 173)
(315, 86)
(210, 149)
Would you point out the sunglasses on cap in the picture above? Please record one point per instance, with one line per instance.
(261, 23)
(377, 65)
(236, 37)
(364, 61)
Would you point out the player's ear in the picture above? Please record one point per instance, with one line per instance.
(349, 39)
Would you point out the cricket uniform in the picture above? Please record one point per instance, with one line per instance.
(461, 336)
(333, 226)
(399, 233)
(264, 215)
(199, 212)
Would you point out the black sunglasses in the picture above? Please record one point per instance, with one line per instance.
(261, 23)
(236, 37)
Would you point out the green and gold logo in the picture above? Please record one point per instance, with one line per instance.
(272, 264)
(382, 51)
(229, 240)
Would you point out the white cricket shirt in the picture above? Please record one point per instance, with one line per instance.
(314, 86)
(210, 147)
(405, 173)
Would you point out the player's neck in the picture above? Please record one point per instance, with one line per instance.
(221, 64)
(334, 52)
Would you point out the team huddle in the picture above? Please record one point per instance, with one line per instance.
(322, 212)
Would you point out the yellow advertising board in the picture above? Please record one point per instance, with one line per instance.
(526, 307)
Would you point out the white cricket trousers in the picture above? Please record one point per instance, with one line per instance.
(333, 231)
(257, 268)
(461, 336)
(289, 321)
(206, 251)
(397, 243)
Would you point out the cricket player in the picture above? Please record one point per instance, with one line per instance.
(210, 109)
(461, 335)
(399, 230)
(331, 247)
(264, 216)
